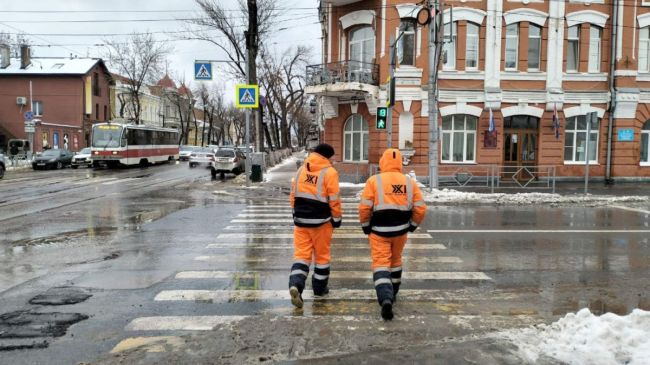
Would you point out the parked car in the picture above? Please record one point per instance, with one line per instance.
(185, 152)
(3, 165)
(56, 159)
(202, 157)
(228, 160)
(83, 158)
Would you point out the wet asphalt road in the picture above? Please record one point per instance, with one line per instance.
(202, 275)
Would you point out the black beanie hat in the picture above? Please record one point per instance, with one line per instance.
(324, 150)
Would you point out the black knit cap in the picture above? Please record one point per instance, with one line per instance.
(324, 150)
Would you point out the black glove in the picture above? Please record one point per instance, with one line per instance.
(412, 228)
(336, 224)
(367, 229)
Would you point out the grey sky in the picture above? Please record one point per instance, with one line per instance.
(299, 17)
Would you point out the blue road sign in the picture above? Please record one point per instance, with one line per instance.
(202, 70)
(29, 115)
(248, 96)
(626, 135)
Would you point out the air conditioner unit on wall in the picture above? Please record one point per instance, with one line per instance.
(21, 100)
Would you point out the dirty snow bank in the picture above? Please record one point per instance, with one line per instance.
(584, 338)
(454, 196)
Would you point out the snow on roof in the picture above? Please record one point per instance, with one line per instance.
(51, 66)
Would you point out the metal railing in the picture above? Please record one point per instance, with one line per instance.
(494, 177)
(343, 71)
(354, 173)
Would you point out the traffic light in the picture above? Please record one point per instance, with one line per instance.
(382, 116)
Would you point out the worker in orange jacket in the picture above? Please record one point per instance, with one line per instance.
(316, 212)
(391, 205)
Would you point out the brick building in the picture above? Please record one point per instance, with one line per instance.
(517, 59)
(67, 96)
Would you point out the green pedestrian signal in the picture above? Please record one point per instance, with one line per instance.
(382, 115)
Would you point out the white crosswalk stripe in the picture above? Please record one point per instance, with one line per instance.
(347, 259)
(363, 275)
(335, 246)
(290, 235)
(221, 296)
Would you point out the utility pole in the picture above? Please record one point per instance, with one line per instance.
(391, 96)
(433, 94)
(252, 45)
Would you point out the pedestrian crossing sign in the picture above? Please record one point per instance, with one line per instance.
(202, 70)
(247, 96)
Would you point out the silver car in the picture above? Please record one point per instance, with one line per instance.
(83, 158)
(201, 157)
(228, 160)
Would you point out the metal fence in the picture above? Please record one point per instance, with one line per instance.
(355, 173)
(495, 177)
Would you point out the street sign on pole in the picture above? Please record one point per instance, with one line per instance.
(29, 115)
(202, 70)
(247, 96)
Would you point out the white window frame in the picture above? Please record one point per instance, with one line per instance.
(466, 133)
(594, 62)
(350, 147)
(645, 132)
(402, 40)
(516, 42)
(539, 46)
(37, 108)
(574, 135)
(476, 42)
(361, 41)
(450, 46)
(577, 55)
(644, 49)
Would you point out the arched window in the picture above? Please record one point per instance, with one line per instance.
(449, 46)
(458, 138)
(512, 46)
(355, 139)
(595, 33)
(645, 144)
(575, 140)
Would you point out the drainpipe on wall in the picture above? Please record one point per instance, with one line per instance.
(612, 91)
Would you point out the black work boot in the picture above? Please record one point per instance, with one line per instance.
(296, 297)
(387, 310)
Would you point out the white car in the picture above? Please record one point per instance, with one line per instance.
(83, 158)
(203, 157)
(185, 152)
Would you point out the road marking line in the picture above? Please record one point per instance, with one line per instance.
(290, 235)
(539, 231)
(262, 221)
(127, 179)
(347, 259)
(343, 228)
(638, 210)
(335, 246)
(186, 323)
(230, 296)
(344, 205)
(407, 275)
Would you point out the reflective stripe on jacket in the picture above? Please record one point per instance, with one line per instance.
(315, 193)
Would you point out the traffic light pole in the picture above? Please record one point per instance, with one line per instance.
(391, 75)
(433, 96)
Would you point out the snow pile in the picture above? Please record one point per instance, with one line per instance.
(584, 338)
(459, 197)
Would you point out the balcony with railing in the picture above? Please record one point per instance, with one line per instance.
(345, 77)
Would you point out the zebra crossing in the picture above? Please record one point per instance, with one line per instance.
(249, 262)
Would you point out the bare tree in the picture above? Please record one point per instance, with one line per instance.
(141, 60)
(283, 80)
